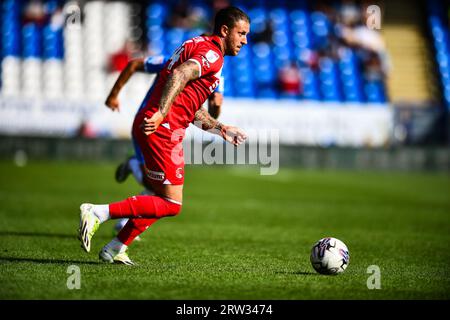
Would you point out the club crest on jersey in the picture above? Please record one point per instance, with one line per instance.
(179, 173)
(212, 56)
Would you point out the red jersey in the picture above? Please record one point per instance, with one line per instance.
(205, 51)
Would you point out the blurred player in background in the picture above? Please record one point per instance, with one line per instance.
(187, 80)
(135, 163)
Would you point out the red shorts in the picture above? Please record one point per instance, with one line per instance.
(162, 151)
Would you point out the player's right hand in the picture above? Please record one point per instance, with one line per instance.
(112, 102)
(149, 125)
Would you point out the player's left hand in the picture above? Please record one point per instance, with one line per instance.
(149, 125)
(233, 135)
(112, 102)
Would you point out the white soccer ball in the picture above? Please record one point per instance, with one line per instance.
(330, 256)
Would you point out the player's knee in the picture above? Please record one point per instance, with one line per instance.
(174, 208)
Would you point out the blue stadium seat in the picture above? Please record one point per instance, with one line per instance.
(52, 43)
(155, 33)
(310, 84)
(264, 73)
(244, 89)
(10, 29)
(267, 93)
(11, 6)
(156, 14)
(10, 40)
(442, 59)
(258, 17)
(438, 24)
(173, 39)
(193, 33)
(279, 17)
(299, 17)
(282, 55)
(31, 39)
(261, 50)
(227, 76)
(241, 75)
(280, 38)
(320, 30)
(349, 76)
(447, 97)
(157, 47)
(375, 92)
(301, 40)
(329, 80)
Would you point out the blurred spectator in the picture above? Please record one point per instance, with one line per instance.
(262, 34)
(199, 18)
(326, 8)
(186, 16)
(34, 12)
(362, 37)
(309, 58)
(349, 13)
(219, 4)
(373, 68)
(290, 83)
(368, 43)
(119, 60)
(85, 130)
(57, 19)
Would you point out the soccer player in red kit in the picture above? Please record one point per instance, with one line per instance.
(135, 163)
(184, 84)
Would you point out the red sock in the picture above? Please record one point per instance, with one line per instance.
(133, 228)
(143, 207)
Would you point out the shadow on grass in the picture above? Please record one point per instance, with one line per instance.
(47, 261)
(298, 273)
(41, 234)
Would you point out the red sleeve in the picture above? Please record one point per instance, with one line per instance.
(208, 60)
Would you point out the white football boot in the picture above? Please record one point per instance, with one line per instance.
(89, 224)
(110, 255)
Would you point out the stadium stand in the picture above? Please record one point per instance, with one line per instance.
(438, 22)
(41, 55)
(330, 78)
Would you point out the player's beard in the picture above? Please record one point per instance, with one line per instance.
(231, 48)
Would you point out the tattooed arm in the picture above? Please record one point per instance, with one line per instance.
(176, 82)
(205, 121)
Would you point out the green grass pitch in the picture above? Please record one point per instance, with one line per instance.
(240, 235)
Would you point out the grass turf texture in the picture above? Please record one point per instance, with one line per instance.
(240, 235)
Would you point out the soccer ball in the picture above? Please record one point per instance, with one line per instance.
(330, 256)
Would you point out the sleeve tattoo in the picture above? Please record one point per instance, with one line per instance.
(206, 122)
(176, 82)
